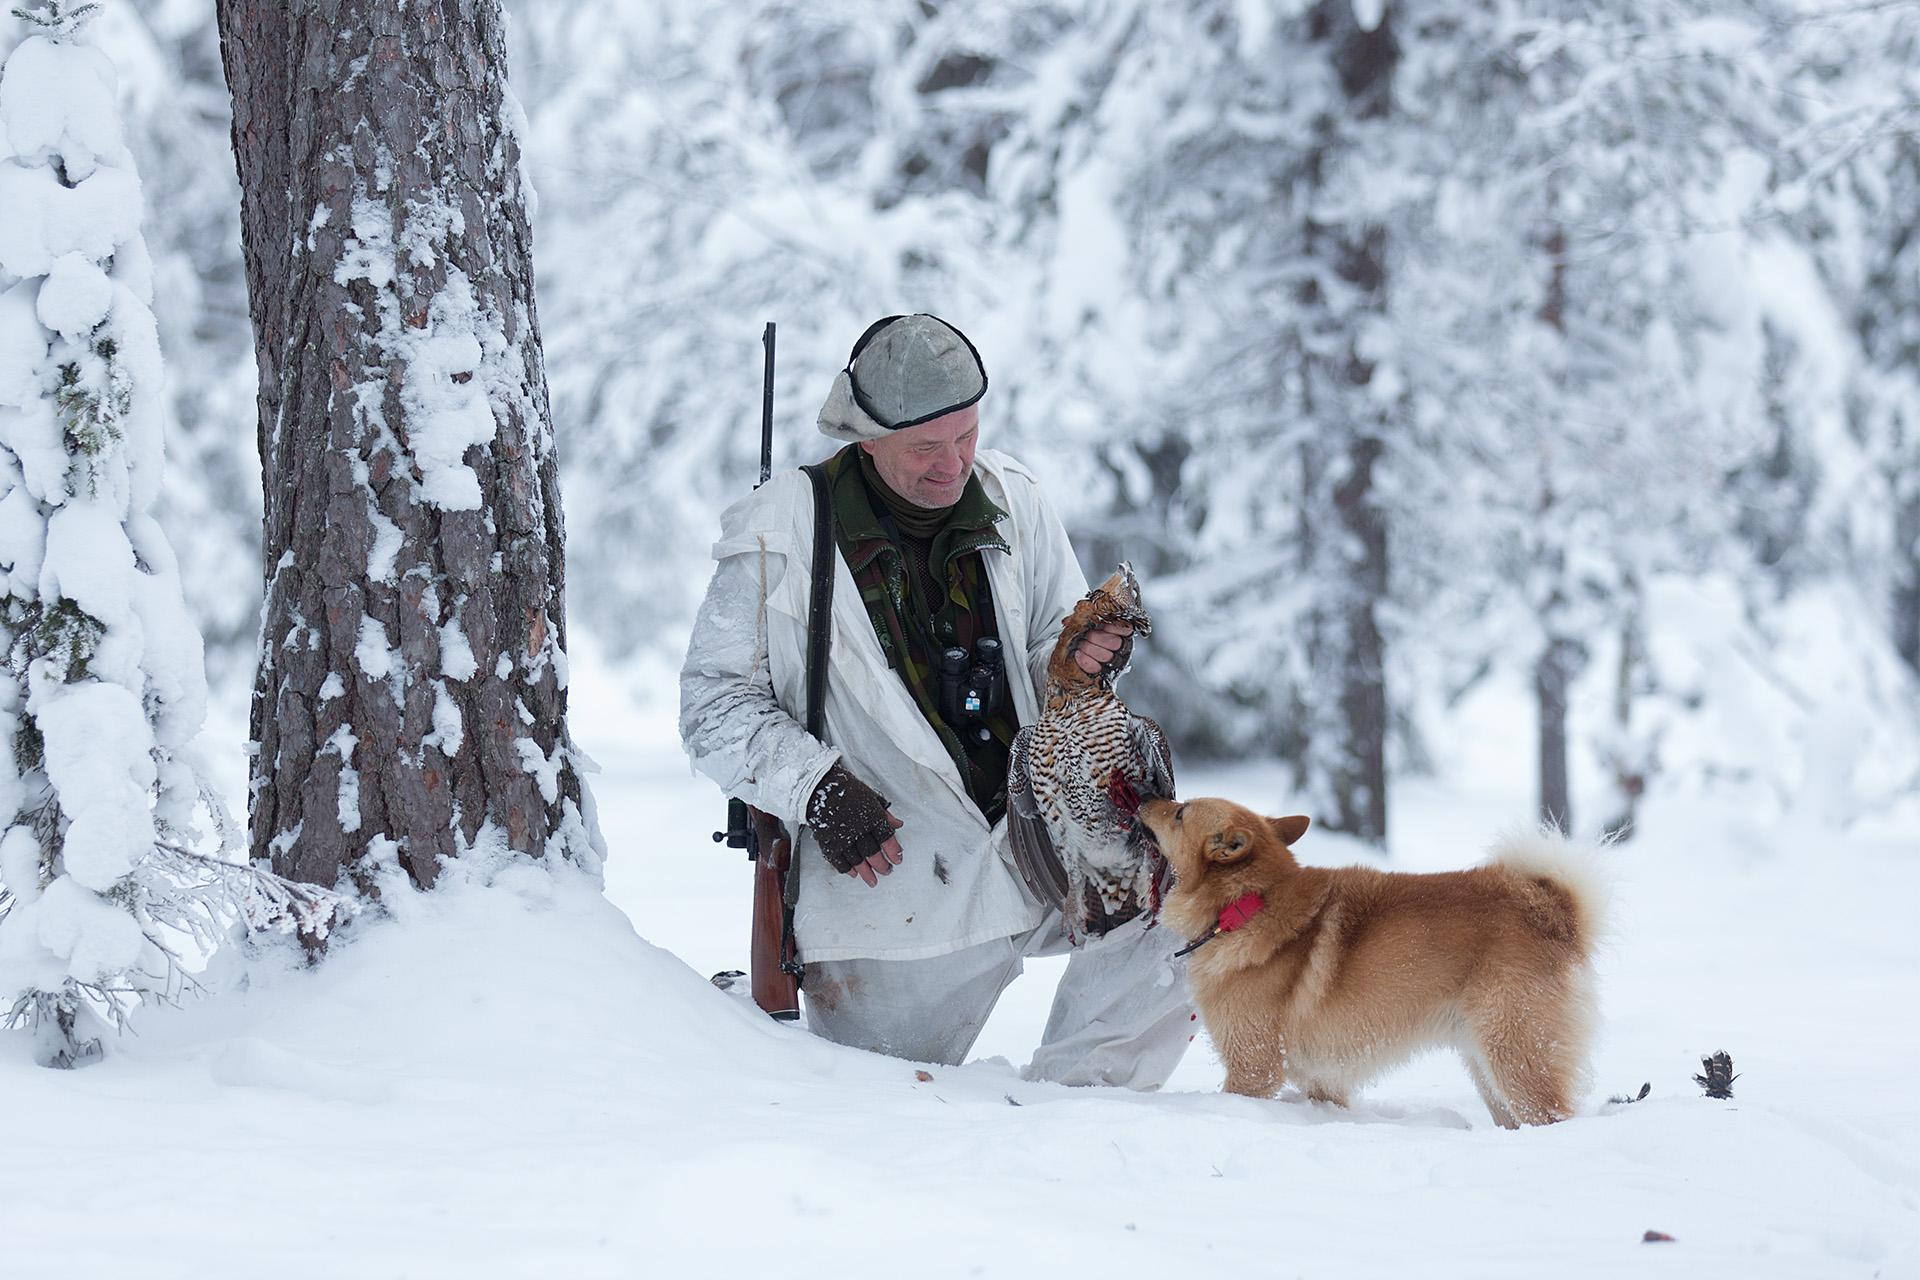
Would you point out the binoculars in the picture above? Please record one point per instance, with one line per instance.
(970, 686)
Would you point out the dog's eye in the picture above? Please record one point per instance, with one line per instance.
(1180, 813)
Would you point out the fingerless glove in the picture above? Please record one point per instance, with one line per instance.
(849, 819)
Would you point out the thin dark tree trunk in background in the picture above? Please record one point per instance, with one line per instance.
(1552, 674)
(410, 701)
(1365, 61)
(1361, 791)
(1628, 761)
(1557, 662)
(1906, 569)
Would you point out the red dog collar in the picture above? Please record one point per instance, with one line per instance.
(1232, 916)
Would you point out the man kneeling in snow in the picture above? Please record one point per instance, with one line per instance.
(910, 944)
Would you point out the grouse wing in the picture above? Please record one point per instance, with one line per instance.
(1034, 856)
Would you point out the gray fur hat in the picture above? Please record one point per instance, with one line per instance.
(904, 371)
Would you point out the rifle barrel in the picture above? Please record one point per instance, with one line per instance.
(766, 409)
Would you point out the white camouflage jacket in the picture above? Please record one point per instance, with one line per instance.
(743, 704)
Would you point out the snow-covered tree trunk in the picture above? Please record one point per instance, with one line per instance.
(1360, 41)
(104, 685)
(410, 703)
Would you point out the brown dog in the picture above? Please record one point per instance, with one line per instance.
(1328, 977)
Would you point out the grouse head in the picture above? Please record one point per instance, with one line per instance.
(1117, 600)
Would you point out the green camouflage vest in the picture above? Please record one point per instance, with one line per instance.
(910, 628)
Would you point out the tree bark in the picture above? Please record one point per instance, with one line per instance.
(410, 702)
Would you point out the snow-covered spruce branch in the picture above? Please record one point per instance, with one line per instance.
(201, 895)
(175, 892)
(57, 20)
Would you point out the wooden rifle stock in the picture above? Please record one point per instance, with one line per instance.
(776, 983)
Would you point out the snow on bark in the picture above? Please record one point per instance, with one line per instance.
(105, 684)
(448, 731)
(375, 658)
(456, 655)
(342, 744)
(413, 524)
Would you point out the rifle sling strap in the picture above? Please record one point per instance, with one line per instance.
(819, 639)
(820, 610)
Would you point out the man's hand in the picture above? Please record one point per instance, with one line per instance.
(883, 862)
(1107, 646)
(853, 827)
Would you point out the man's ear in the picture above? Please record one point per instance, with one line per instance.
(1230, 845)
(1289, 830)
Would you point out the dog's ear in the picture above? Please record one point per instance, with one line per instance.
(1289, 830)
(1230, 845)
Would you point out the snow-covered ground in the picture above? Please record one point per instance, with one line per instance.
(534, 1080)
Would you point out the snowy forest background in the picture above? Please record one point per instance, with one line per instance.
(1572, 346)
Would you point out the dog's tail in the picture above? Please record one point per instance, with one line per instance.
(1580, 907)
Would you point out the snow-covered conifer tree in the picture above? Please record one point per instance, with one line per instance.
(1882, 177)
(104, 685)
(1555, 321)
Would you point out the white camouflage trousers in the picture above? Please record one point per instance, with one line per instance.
(1120, 1016)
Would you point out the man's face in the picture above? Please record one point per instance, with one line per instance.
(928, 465)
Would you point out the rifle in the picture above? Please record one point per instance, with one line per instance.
(775, 966)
